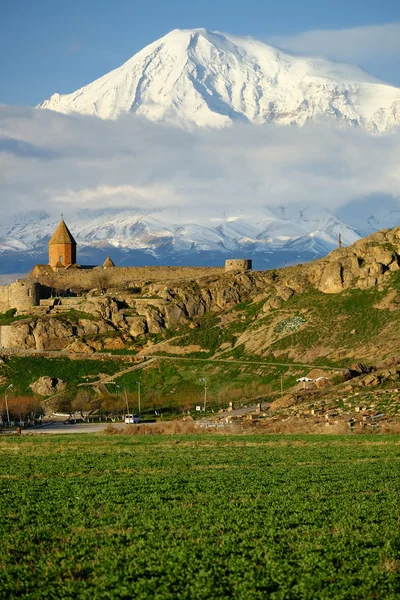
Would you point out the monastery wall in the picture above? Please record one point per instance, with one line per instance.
(27, 293)
(4, 298)
(22, 295)
(98, 277)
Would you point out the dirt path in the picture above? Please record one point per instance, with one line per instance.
(248, 362)
(111, 378)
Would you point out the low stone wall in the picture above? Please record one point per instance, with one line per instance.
(102, 356)
(123, 276)
(4, 335)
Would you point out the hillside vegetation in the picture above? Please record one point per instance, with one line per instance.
(250, 335)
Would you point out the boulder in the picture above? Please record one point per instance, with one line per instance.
(79, 347)
(371, 380)
(284, 292)
(272, 304)
(381, 254)
(284, 402)
(18, 335)
(46, 386)
(113, 343)
(107, 309)
(53, 334)
(331, 281)
(89, 327)
(138, 326)
(357, 369)
(174, 315)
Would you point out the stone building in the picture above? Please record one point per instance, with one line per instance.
(62, 248)
(62, 276)
(240, 265)
(21, 295)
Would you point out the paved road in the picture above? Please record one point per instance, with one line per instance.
(59, 427)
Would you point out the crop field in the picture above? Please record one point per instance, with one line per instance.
(200, 516)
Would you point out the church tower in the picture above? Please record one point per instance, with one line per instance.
(62, 248)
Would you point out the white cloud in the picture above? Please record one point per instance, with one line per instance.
(372, 45)
(66, 163)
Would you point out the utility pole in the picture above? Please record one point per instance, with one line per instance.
(205, 393)
(281, 383)
(138, 391)
(6, 403)
(126, 400)
(339, 240)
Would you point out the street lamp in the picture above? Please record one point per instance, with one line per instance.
(205, 393)
(6, 402)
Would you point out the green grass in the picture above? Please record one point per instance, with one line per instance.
(209, 334)
(8, 317)
(73, 316)
(22, 371)
(200, 517)
(331, 317)
(306, 321)
(174, 385)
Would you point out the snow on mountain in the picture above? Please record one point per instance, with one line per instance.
(199, 78)
(303, 232)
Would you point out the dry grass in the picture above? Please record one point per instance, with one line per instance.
(287, 426)
(167, 428)
(391, 565)
(389, 427)
(296, 426)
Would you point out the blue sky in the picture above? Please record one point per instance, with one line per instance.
(50, 46)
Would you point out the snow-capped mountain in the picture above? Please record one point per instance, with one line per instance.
(199, 78)
(273, 237)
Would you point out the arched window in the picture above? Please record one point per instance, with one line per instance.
(61, 258)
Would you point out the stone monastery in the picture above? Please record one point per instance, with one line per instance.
(64, 278)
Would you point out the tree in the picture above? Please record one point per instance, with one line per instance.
(101, 280)
(84, 404)
(113, 405)
(63, 404)
(24, 408)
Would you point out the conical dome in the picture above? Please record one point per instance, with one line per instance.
(108, 263)
(62, 235)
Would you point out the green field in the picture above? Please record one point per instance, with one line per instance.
(201, 516)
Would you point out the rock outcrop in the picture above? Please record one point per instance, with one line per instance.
(362, 265)
(46, 386)
(116, 321)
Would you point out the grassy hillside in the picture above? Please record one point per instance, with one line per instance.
(22, 371)
(311, 327)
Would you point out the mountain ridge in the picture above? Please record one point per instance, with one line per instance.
(197, 78)
(295, 234)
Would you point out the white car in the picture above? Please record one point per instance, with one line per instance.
(132, 419)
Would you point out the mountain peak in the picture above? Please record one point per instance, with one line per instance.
(195, 77)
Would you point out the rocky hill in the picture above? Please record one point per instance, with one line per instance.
(330, 311)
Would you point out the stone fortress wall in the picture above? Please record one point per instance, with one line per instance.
(22, 295)
(122, 276)
(25, 294)
(239, 265)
